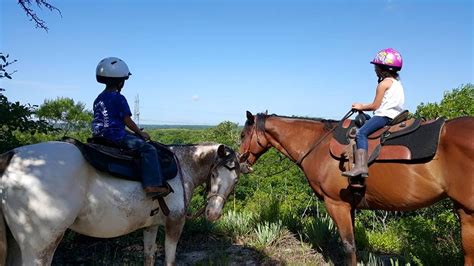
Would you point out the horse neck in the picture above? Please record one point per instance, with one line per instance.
(293, 136)
(196, 161)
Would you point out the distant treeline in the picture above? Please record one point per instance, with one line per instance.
(175, 126)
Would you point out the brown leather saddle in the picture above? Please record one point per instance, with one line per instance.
(403, 139)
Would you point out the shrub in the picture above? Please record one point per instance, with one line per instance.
(236, 224)
(387, 241)
(320, 231)
(266, 234)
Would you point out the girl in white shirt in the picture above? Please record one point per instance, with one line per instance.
(387, 104)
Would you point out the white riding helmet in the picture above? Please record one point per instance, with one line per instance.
(112, 70)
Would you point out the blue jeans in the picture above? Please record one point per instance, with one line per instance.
(151, 170)
(370, 126)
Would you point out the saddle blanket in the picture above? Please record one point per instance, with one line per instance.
(417, 141)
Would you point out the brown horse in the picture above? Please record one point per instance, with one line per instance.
(391, 186)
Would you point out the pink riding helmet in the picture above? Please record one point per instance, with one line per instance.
(390, 58)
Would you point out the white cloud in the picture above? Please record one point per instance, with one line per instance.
(195, 98)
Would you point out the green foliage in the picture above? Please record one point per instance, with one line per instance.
(455, 103)
(226, 133)
(266, 234)
(177, 136)
(387, 241)
(65, 114)
(430, 242)
(236, 224)
(16, 117)
(320, 231)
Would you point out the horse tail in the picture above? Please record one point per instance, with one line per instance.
(4, 162)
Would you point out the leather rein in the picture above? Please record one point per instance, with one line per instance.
(313, 146)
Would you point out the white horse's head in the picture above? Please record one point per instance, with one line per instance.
(223, 177)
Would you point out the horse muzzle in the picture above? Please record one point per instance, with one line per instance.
(214, 208)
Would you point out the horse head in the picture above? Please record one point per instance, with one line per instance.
(253, 141)
(224, 175)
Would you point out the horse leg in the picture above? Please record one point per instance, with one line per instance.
(149, 244)
(467, 234)
(174, 228)
(341, 215)
(40, 255)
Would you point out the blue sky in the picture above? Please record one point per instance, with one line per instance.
(204, 62)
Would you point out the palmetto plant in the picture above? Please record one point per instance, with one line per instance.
(267, 233)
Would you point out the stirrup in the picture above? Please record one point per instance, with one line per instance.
(357, 182)
(156, 195)
(349, 175)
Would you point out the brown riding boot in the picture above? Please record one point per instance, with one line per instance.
(360, 168)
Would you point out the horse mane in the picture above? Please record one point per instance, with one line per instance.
(328, 123)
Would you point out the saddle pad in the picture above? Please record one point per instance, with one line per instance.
(412, 144)
(122, 163)
(422, 142)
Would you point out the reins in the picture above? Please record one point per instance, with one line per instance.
(316, 144)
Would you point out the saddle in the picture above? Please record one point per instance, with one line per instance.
(107, 156)
(402, 140)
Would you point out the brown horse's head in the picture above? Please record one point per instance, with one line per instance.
(253, 141)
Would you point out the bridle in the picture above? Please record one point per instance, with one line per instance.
(212, 174)
(254, 132)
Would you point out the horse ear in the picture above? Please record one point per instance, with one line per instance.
(250, 116)
(221, 151)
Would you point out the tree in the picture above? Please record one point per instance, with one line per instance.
(3, 65)
(63, 113)
(455, 103)
(15, 116)
(226, 133)
(26, 5)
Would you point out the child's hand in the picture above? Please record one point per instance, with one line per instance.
(144, 135)
(357, 106)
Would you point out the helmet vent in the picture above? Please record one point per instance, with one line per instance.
(113, 62)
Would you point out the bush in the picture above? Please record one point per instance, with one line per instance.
(387, 241)
(236, 224)
(266, 234)
(430, 242)
(320, 231)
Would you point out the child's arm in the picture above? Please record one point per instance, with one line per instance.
(381, 88)
(133, 127)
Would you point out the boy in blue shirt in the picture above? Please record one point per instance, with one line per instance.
(112, 114)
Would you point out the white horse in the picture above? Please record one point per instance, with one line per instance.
(48, 187)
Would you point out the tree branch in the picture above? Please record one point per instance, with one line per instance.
(39, 23)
